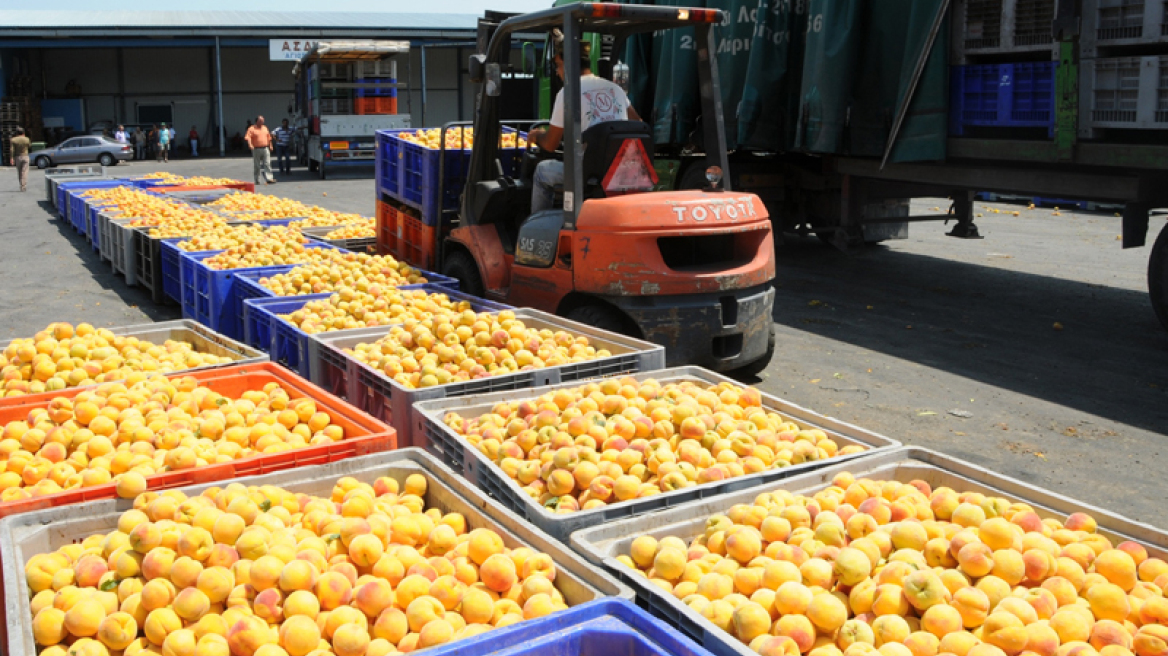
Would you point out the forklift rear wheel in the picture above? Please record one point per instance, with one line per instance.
(461, 265)
(603, 317)
(1158, 277)
(755, 368)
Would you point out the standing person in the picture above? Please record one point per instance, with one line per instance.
(151, 141)
(172, 135)
(259, 140)
(283, 137)
(139, 143)
(120, 136)
(194, 137)
(20, 146)
(601, 101)
(163, 144)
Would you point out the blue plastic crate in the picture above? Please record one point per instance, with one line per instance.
(388, 162)
(289, 345)
(605, 627)
(92, 230)
(209, 296)
(1002, 95)
(378, 92)
(170, 255)
(418, 176)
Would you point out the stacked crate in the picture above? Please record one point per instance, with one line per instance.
(1124, 67)
(1004, 85)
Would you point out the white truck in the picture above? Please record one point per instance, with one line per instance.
(345, 92)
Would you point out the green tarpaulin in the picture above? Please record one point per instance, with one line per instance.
(816, 76)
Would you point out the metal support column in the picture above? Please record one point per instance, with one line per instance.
(219, 92)
(423, 86)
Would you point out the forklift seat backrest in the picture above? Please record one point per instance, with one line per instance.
(602, 142)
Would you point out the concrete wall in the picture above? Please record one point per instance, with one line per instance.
(185, 78)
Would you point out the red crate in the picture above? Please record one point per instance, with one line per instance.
(388, 229)
(242, 186)
(417, 242)
(363, 435)
(379, 105)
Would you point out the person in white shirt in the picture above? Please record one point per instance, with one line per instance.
(600, 101)
(120, 136)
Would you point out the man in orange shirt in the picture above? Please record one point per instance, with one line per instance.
(259, 140)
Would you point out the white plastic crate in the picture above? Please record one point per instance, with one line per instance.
(458, 453)
(1003, 26)
(24, 535)
(1125, 93)
(1109, 23)
(603, 543)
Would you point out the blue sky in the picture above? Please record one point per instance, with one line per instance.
(441, 6)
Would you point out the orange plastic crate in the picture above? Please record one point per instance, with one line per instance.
(388, 229)
(378, 105)
(363, 435)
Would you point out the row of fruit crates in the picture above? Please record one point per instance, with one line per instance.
(264, 328)
(209, 295)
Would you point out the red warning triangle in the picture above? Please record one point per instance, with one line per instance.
(631, 170)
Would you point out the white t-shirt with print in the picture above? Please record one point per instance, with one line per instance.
(601, 101)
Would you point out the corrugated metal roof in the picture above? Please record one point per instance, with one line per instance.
(290, 20)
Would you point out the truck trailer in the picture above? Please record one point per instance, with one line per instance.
(345, 92)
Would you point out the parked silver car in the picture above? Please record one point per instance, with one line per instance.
(86, 148)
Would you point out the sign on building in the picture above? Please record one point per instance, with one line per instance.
(288, 49)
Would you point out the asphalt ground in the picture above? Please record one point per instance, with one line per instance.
(1033, 352)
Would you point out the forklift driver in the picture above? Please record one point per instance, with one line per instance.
(601, 101)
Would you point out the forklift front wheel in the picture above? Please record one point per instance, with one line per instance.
(753, 369)
(604, 317)
(461, 265)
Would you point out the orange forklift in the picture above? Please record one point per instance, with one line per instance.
(690, 270)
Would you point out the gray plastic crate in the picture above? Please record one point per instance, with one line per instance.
(22, 536)
(196, 334)
(602, 544)
(107, 236)
(58, 174)
(358, 245)
(456, 452)
(1125, 93)
(375, 393)
(1117, 23)
(122, 248)
(1003, 26)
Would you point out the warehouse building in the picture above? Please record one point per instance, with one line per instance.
(63, 72)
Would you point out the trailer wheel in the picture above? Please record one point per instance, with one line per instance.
(461, 266)
(755, 368)
(1158, 277)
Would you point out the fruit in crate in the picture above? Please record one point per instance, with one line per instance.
(227, 237)
(380, 306)
(448, 348)
(265, 253)
(457, 138)
(198, 226)
(172, 179)
(321, 218)
(62, 356)
(364, 230)
(114, 433)
(359, 271)
(259, 206)
(911, 568)
(621, 439)
(368, 570)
